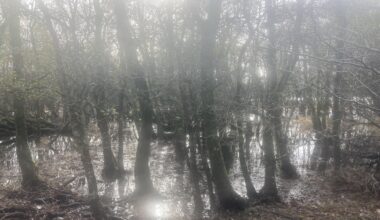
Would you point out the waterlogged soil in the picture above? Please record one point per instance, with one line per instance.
(312, 196)
(315, 197)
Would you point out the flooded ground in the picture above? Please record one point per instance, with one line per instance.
(309, 197)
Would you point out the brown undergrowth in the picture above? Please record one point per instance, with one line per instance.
(49, 203)
(325, 196)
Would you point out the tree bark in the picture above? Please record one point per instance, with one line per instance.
(287, 169)
(30, 179)
(251, 191)
(336, 107)
(269, 189)
(81, 142)
(128, 46)
(120, 129)
(228, 198)
(111, 171)
(77, 120)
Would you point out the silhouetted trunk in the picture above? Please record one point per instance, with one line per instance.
(205, 166)
(180, 141)
(30, 179)
(321, 152)
(77, 120)
(189, 125)
(228, 198)
(336, 118)
(81, 142)
(120, 129)
(111, 171)
(228, 151)
(322, 141)
(287, 169)
(194, 175)
(128, 46)
(251, 191)
(269, 189)
(337, 93)
(247, 143)
(243, 145)
(318, 112)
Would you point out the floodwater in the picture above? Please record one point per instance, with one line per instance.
(59, 164)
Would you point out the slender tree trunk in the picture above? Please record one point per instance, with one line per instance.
(194, 176)
(227, 148)
(269, 189)
(205, 165)
(81, 141)
(111, 171)
(77, 118)
(120, 129)
(180, 141)
(243, 146)
(30, 179)
(251, 191)
(128, 46)
(336, 107)
(287, 169)
(247, 144)
(228, 198)
(189, 127)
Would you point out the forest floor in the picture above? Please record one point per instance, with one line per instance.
(318, 197)
(312, 196)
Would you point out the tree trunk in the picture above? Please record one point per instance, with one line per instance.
(337, 108)
(77, 120)
(194, 176)
(207, 170)
(30, 179)
(251, 191)
(82, 145)
(189, 126)
(120, 130)
(180, 141)
(111, 171)
(128, 46)
(269, 189)
(228, 198)
(287, 169)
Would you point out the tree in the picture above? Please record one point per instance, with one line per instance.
(228, 198)
(337, 94)
(30, 179)
(129, 49)
(111, 169)
(75, 107)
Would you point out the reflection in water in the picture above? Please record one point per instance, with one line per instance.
(59, 163)
(152, 209)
